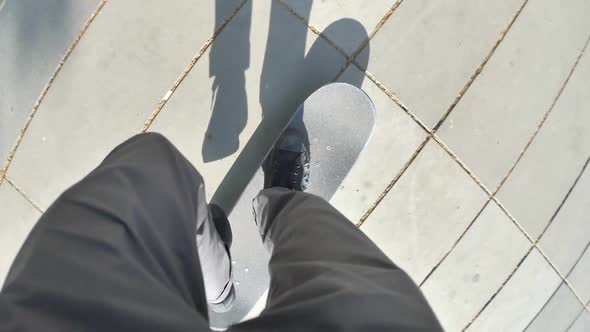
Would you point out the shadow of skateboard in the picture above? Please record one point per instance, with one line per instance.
(337, 121)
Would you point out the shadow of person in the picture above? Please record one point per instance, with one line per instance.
(288, 77)
(229, 58)
(33, 37)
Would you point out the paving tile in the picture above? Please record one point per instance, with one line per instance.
(18, 218)
(345, 22)
(582, 324)
(559, 313)
(124, 64)
(227, 106)
(394, 139)
(499, 113)
(569, 234)
(523, 296)
(560, 149)
(427, 50)
(579, 276)
(34, 37)
(475, 269)
(425, 212)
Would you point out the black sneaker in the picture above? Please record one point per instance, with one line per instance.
(221, 224)
(224, 230)
(225, 304)
(287, 165)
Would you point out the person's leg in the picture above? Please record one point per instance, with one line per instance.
(326, 275)
(117, 251)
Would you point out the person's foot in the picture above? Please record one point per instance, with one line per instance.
(287, 165)
(224, 230)
(225, 304)
(221, 224)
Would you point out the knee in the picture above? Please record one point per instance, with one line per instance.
(153, 138)
(155, 141)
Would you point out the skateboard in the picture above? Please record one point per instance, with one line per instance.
(337, 121)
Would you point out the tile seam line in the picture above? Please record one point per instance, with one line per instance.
(540, 250)
(24, 195)
(47, 86)
(534, 242)
(462, 92)
(452, 248)
(586, 304)
(429, 134)
(396, 178)
(467, 85)
(490, 198)
(440, 142)
(162, 103)
(533, 136)
(489, 301)
(545, 115)
(490, 194)
(461, 163)
(569, 328)
(393, 97)
(567, 195)
(567, 276)
(523, 231)
(543, 307)
(563, 282)
(376, 28)
(370, 36)
(314, 29)
(481, 66)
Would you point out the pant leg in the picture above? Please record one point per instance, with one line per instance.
(117, 251)
(326, 275)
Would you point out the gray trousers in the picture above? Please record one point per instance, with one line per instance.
(117, 252)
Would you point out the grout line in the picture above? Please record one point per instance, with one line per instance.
(535, 244)
(392, 183)
(463, 165)
(569, 285)
(370, 36)
(395, 98)
(579, 259)
(564, 281)
(52, 78)
(349, 58)
(567, 195)
(377, 27)
(543, 307)
(24, 195)
(535, 241)
(499, 289)
(188, 68)
(481, 66)
(455, 243)
(506, 212)
(569, 328)
(545, 116)
(314, 29)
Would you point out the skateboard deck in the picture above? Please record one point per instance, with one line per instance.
(337, 121)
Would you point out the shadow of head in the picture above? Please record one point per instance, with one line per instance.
(352, 38)
(286, 84)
